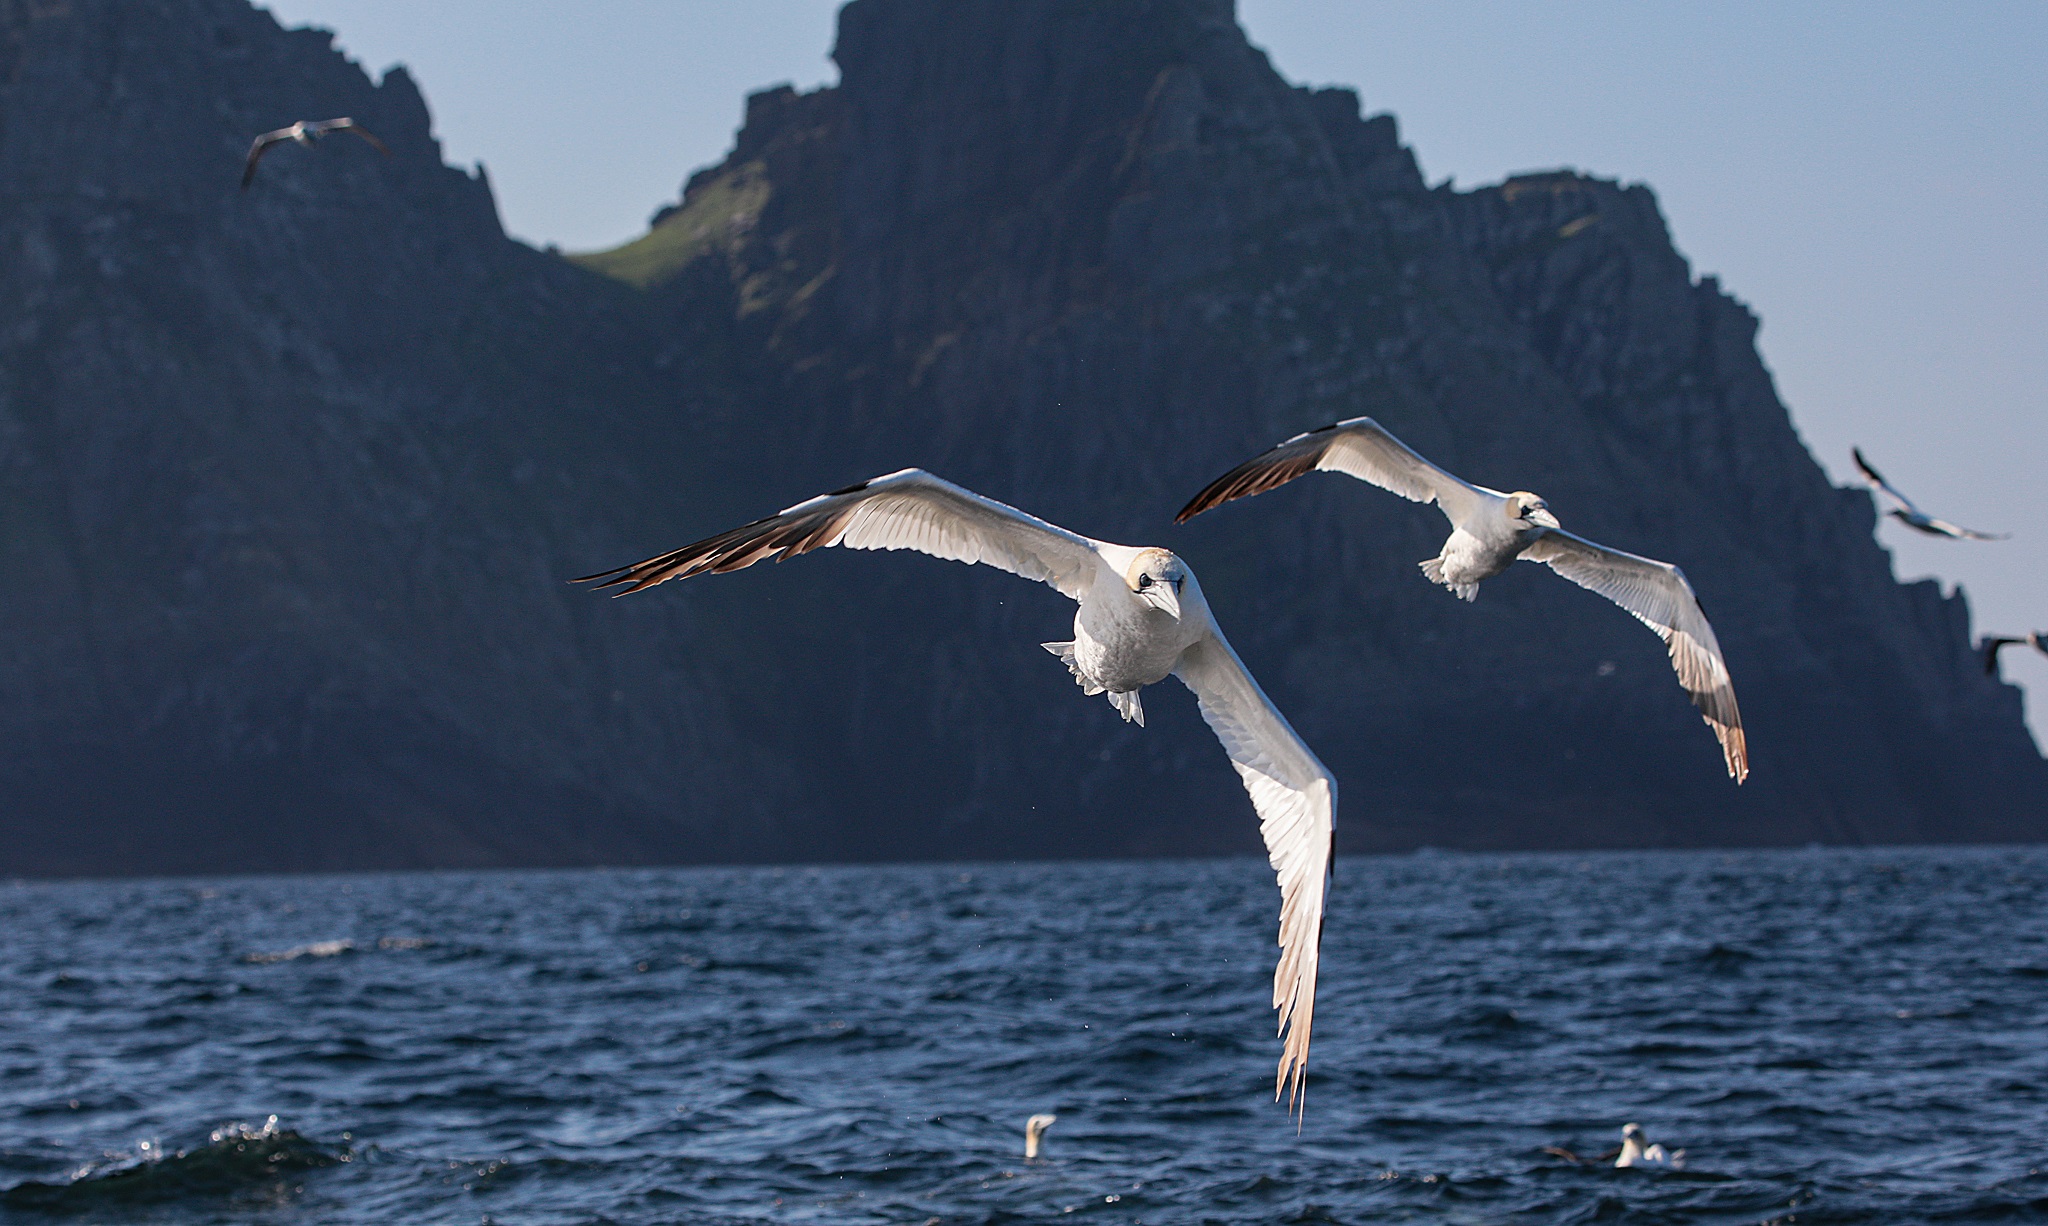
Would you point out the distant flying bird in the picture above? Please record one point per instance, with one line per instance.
(305, 132)
(1992, 644)
(1635, 1153)
(1911, 516)
(1489, 530)
(1034, 1128)
(1142, 617)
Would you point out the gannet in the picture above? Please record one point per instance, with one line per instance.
(1911, 516)
(1635, 1153)
(1489, 530)
(1993, 643)
(305, 132)
(1034, 1128)
(1142, 617)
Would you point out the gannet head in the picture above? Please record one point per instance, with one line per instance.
(1632, 1132)
(1157, 577)
(1530, 509)
(1034, 1128)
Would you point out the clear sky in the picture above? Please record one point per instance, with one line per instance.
(1871, 177)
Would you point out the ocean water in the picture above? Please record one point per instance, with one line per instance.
(1838, 1036)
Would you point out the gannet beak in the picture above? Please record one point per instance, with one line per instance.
(1163, 596)
(1542, 516)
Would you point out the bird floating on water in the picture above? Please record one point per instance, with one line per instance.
(1034, 1128)
(1142, 618)
(1489, 530)
(1913, 517)
(305, 132)
(1635, 1153)
(1993, 644)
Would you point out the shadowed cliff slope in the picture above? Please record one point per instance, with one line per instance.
(289, 479)
(1084, 257)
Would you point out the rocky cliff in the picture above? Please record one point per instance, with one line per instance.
(290, 479)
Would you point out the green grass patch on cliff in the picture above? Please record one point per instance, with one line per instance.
(709, 217)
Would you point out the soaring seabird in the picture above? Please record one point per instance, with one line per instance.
(305, 132)
(1993, 643)
(1034, 1128)
(1142, 617)
(1489, 530)
(1911, 516)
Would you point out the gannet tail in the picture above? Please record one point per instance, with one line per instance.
(1127, 705)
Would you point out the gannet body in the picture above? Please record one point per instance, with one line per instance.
(304, 132)
(1489, 531)
(1142, 617)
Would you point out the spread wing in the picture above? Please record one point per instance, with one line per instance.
(1941, 527)
(1875, 480)
(905, 510)
(349, 125)
(256, 151)
(1912, 516)
(1657, 593)
(1360, 448)
(1296, 801)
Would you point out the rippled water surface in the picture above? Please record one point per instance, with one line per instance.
(1833, 1036)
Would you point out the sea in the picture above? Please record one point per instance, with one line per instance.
(1830, 1035)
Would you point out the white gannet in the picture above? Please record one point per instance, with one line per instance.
(1034, 1128)
(1913, 517)
(1142, 617)
(1489, 530)
(1994, 643)
(305, 132)
(1635, 1153)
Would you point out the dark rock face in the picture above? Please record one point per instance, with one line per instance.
(290, 479)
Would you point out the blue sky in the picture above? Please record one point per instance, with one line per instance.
(1872, 178)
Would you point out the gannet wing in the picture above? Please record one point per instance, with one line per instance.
(350, 125)
(1296, 799)
(1360, 448)
(1913, 516)
(1657, 593)
(1875, 480)
(256, 151)
(1941, 527)
(905, 510)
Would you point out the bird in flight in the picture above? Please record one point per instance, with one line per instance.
(1992, 644)
(1489, 530)
(305, 132)
(1142, 618)
(1913, 517)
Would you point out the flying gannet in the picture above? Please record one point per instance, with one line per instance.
(1913, 517)
(1993, 644)
(1489, 530)
(1635, 1153)
(1142, 617)
(1034, 1129)
(305, 132)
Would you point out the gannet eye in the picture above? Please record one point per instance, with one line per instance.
(1144, 581)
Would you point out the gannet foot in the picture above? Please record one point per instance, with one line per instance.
(1433, 570)
(1065, 651)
